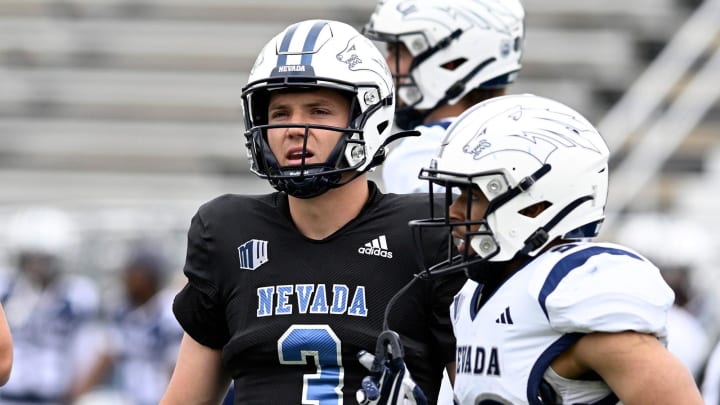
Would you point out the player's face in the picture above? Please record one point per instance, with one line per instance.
(39, 267)
(459, 212)
(320, 107)
(139, 284)
(398, 58)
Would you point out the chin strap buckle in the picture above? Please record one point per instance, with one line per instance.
(537, 239)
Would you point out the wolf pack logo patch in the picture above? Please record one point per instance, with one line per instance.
(253, 254)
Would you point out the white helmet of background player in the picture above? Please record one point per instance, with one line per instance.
(457, 46)
(44, 233)
(522, 151)
(321, 54)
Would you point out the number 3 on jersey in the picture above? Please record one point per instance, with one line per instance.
(321, 343)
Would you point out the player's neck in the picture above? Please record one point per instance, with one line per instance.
(445, 111)
(321, 216)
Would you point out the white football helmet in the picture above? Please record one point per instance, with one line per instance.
(321, 54)
(457, 46)
(41, 231)
(522, 151)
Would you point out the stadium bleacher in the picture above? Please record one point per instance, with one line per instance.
(138, 100)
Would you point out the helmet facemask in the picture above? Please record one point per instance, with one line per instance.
(408, 115)
(305, 180)
(479, 243)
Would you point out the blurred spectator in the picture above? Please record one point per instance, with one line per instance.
(678, 248)
(47, 308)
(143, 335)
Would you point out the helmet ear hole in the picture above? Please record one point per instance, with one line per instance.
(532, 211)
(453, 64)
(381, 127)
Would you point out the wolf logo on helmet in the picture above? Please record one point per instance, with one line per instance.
(543, 139)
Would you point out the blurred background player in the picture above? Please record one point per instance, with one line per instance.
(445, 57)
(285, 289)
(681, 249)
(547, 315)
(48, 309)
(143, 334)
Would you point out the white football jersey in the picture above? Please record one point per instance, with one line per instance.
(47, 328)
(504, 350)
(405, 159)
(146, 341)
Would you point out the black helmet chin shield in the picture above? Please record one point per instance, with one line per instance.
(303, 180)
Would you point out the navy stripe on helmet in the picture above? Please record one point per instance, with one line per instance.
(285, 45)
(308, 46)
(310, 41)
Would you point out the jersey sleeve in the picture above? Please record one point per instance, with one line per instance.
(610, 291)
(198, 306)
(402, 166)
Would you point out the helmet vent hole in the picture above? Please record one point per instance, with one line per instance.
(532, 211)
(382, 126)
(453, 64)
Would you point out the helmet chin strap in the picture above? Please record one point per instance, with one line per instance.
(408, 117)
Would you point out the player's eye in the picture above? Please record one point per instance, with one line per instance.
(276, 115)
(321, 111)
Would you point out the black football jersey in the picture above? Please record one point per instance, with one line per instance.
(290, 313)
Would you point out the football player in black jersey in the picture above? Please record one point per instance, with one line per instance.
(285, 289)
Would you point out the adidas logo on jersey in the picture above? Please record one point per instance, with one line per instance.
(376, 247)
(505, 317)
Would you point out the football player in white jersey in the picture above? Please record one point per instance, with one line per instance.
(48, 309)
(547, 316)
(141, 337)
(445, 57)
